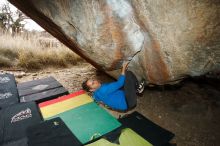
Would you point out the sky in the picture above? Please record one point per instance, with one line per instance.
(30, 24)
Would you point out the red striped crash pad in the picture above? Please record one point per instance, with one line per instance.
(56, 106)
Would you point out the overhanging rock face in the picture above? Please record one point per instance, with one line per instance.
(165, 40)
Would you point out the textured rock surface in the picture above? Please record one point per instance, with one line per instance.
(165, 40)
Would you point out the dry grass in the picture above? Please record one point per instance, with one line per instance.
(34, 53)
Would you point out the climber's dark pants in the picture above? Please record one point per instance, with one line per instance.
(130, 89)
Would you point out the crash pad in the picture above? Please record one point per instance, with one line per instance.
(19, 142)
(8, 90)
(27, 90)
(33, 83)
(40, 90)
(56, 106)
(127, 138)
(53, 132)
(150, 131)
(44, 95)
(16, 118)
(89, 121)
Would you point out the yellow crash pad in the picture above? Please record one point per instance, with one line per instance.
(127, 138)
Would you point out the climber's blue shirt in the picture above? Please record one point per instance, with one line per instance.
(111, 95)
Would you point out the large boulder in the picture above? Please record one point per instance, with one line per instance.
(166, 40)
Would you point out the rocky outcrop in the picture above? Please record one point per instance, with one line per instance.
(165, 40)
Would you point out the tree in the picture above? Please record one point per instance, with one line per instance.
(18, 23)
(5, 17)
(13, 21)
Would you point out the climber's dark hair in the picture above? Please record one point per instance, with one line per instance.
(85, 86)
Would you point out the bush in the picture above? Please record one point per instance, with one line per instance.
(30, 53)
(5, 62)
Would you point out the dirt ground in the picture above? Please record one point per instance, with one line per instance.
(191, 110)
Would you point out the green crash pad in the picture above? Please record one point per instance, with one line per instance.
(88, 121)
(127, 138)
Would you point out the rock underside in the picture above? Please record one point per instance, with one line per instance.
(164, 40)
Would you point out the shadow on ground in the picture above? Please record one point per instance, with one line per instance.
(190, 110)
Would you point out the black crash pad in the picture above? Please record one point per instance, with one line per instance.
(45, 95)
(40, 90)
(15, 119)
(33, 83)
(20, 142)
(153, 133)
(53, 132)
(8, 90)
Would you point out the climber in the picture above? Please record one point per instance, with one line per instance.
(120, 95)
